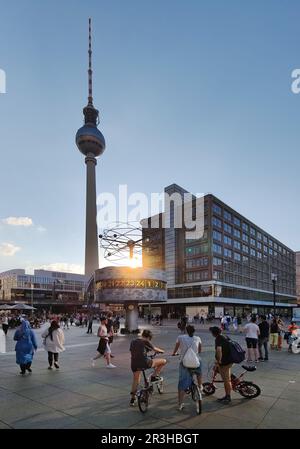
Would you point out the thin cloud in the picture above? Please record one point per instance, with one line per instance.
(18, 221)
(62, 267)
(8, 249)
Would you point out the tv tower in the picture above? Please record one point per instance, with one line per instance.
(91, 143)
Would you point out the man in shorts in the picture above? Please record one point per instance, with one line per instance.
(223, 362)
(140, 361)
(252, 335)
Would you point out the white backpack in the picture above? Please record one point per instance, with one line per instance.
(190, 359)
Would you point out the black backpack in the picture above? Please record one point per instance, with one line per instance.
(236, 352)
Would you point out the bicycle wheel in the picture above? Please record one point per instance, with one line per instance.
(143, 400)
(249, 390)
(197, 397)
(208, 388)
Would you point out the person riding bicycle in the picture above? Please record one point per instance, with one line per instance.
(184, 342)
(140, 361)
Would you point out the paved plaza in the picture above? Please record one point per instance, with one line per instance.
(79, 396)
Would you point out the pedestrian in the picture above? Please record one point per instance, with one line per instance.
(53, 341)
(90, 324)
(110, 330)
(263, 339)
(239, 323)
(184, 343)
(223, 362)
(103, 346)
(252, 333)
(292, 333)
(5, 324)
(234, 323)
(25, 347)
(274, 329)
(280, 330)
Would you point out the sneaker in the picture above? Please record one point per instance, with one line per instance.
(132, 402)
(265, 360)
(111, 366)
(155, 378)
(181, 407)
(49, 367)
(56, 365)
(29, 370)
(260, 359)
(225, 400)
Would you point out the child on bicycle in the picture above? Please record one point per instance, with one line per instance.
(140, 361)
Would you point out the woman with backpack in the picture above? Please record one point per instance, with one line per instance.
(54, 340)
(186, 343)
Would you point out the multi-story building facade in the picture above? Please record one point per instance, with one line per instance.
(298, 276)
(43, 288)
(229, 269)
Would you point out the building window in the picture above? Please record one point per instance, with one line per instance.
(217, 236)
(217, 222)
(237, 233)
(217, 261)
(252, 241)
(245, 249)
(252, 231)
(227, 215)
(265, 239)
(227, 240)
(271, 251)
(217, 248)
(245, 259)
(245, 227)
(236, 244)
(218, 275)
(259, 255)
(236, 221)
(245, 238)
(237, 256)
(227, 228)
(258, 235)
(259, 246)
(275, 246)
(265, 249)
(252, 252)
(227, 252)
(217, 209)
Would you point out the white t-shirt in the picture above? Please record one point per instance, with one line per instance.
(185, 342)
(252, 330)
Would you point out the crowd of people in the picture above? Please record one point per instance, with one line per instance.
(261, 334)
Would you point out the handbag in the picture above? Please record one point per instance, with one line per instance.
(190, 359)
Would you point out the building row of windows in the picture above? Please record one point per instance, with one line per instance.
(195, 263)
(246, 249)
(254, 234)
(191, 276)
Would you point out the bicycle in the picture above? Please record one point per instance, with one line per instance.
(195, 391)
(247, 389)
(145, 393)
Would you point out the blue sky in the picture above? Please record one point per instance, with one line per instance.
(193, 92)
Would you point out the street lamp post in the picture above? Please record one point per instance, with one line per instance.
(274, 280)
(32, 286)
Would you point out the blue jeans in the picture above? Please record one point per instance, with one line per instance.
(263, 342)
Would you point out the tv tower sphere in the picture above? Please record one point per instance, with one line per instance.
(90, 140)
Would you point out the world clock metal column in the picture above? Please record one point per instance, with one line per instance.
(91, 143)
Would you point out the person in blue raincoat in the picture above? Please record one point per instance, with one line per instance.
(25, 347)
